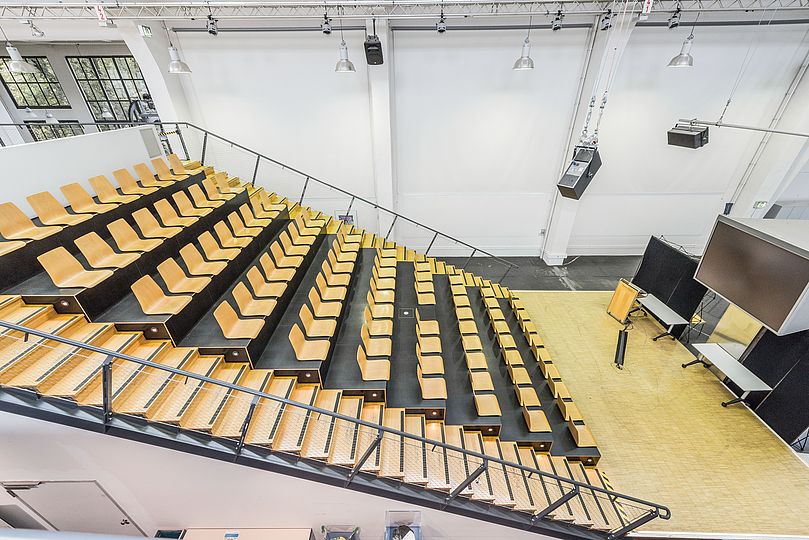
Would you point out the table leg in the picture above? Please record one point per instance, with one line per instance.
(698, 360)
(737, 400)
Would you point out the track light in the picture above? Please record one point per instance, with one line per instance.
(684, 59)
(211, 26)
(556, 23)
(176, 65)
(606, 21)
(17, 64)
(344, 65)
(524, 62)
(674, 20)
(325, 26)
(441, 25)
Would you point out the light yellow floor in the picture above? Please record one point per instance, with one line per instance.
(661, 430)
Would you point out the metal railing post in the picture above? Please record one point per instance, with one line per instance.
(255, 169)
(508, 269)
(349, 207)
(427, 252)
(469, 259)
(392, 223)
(182, 141)
(465, 484)
(555, 504)
(204, 147)
(365, 455)
(305, 185)
(245, 427)
(106, 390)
(632, 525)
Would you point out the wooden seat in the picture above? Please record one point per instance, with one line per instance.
(432, 387)
(308, 226)
(128, 240)
(187, 208)
(512, 357)
(149, 226)
(375, 346)
(177, 281)
(464, 313)
(372, 370)
(487, 405)
(169, 216)
(476, 360)
(332, 279)
(9, 246)
(519, 375)
(581, 434)
(471, 343)
(423, 276)
(385, 271)
(321, 309)
(348, 257)
(461, 300)
(239, 228)
(456, 279)
(223, 183)
(179, 168)
(250, 219)
(425, 287)
(212, 250)
(107, 193)
(164, 173)
(500, 328)
(426, 327)
(153, 301)
(130, 186)
(260, 212)
(496, 314)
(316, 328)
(272, 272)
(291, 249)
(197, 265)
(430, 364)
(261, 287)
(67, 272)
(383, 328)
(147, 178)
(379, 311)
(536, 420)
(330, 293)
(467, 327)
(383, 283)
(234, 327)
(213, 193)
(51, 211)
(81, 201)
(14, 225)
(382, 297)
(282, 260)
(527, 396)
(298, 238)
(428, 344)
(268, 204)
(100, 255)
(506, 341)
(306, 349)
(481, 381)
(339, 267)
(201, 200)
(249, 306)
(227, 239)
(569, 409)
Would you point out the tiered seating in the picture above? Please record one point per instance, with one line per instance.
(425, 290)
(431, 365)
(374, 349)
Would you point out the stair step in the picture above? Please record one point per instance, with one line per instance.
(317, 443)
(374, 413)
(613, 511)
(457, 464)
(344, 449)
(392, 449)
(415, 454)
(230, 421)
(268, 412)
(136, 397)
(295, 420)
(552, 488)
(212, 398)
(498, 474)
(437, 465)
(588, 498)
(482, 486)
(582, 517)
(14, 347)
(517, 478)
(172, 400)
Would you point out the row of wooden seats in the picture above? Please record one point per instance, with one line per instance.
(375, 348)
(579, 430)
(479, 377)
(425, 290)
(312, 339)
(18, 229)
(430, 368)
(527, 395)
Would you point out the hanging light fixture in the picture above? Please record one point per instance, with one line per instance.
(684, 59)
(49, 119)
(524, 62)
(16, 64)
(35, 31)
(344, 65)
(175, 65)
(30, 114)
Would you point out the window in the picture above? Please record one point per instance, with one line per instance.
(35, 90)
(42, 131)
(109, 84)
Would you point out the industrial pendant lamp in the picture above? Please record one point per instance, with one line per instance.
(175, 64)
(684, 59)
(16, 64)
(344, 65)
(524, 62)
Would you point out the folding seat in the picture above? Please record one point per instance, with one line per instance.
(153, 301)
(307, 349)
(272, 272)
(344, 256)
(212, 249)
(381, 297)
(51, 211)
(147, 178)
(457, 290)
(239, 228)
(375, 346)
(250, 219)
(81, 201)
(322, 309)
(164, 173)
(428, 344)
(464, 313)
(339, 267)
(425, 287)
(385, 272)
(149, 226)
(332, 279)
(426, 327)
(512, 357)
(186, 207)
(475, 360)
(201, 200)
(263, 288)
(372, 370)
(461, 300)
(345, 245)
(282, 260)
(330, 293)
(130, 186)
(249, 306)
(379, 311)
(14, 225)
(303, 228)
(471, 343)
(269, 204)
(316, 328)
(536, 420)
(527, 396)
(233, 326)
(487, 405)
(222, 183)
(377, 328)
(227, 239)
(67, 272)
(298, 238)
(259, 210)
(383, 283)
(107, 193)
(180, 168)
(431, 364)
(213, 193)
(169, 216)
(9, 246)
(197, 265)
(314, 222)
(289, 248)
(177, 281)
(432, 387)
(99, 254)
(128, 240)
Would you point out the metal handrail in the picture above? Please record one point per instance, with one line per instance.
(654, 509)
(308, 177)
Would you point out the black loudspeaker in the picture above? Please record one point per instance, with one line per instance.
(585, 164)
(620, 348)
(688, 136)
(373, 51)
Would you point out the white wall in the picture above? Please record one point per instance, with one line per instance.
(44, 166)
(165, 489)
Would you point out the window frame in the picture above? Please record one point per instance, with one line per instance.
(58, 83)
(73, 125)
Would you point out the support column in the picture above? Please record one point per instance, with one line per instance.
(380, 91)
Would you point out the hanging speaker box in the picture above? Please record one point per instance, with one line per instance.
(373, 51)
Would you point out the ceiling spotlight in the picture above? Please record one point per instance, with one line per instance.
(49, 119)
(344, 65)
(17, 64)
(176, 65)
(556, 23)
(524, 62)
(30, 114)
(211, 26)
(441, 25)
(684, 59)
(674, 20)
(325, 26)
(606, 20)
